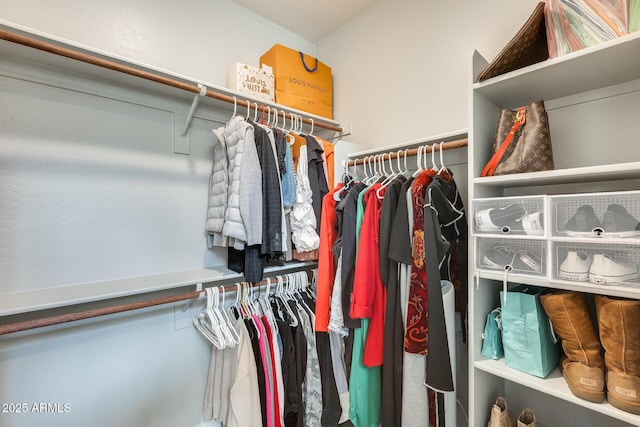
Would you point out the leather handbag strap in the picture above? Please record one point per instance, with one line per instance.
(311, 70)
(491, 166)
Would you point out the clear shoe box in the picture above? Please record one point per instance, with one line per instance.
(517, 256)
(613, 215)
(517, 216)
(601, 264)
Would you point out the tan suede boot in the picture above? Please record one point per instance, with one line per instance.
(619, 321)
(499, 414)
(527, 419)
(582, 366)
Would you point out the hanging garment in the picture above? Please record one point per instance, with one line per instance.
(416, 334)
(329, 151)
(257, 354)
(266, 369)
(288, 180)
(243, 215)
(414, 396)
(448, 208)
(271, 194)
(279, 146)
(391, 411)
(326, 268)
(340, 374)
(303, 221)
(336, 316)
(313, 379)
(368, 298)
(218, 191)
(244, 399)
(317, 177)
(443, 217)
(299, 144)
(364, 382)
(346, 211)
(276, 358)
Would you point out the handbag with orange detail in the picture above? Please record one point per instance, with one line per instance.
(523, 142)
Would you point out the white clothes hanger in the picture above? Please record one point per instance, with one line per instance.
(434, 166)
(388, 179)
(226, 336)
(442, 165)
(232, 333)
(235, 107)
(249, 307)
(206, 324)
(406, 169)
(418, 162)
(285, 297)
(311, 133)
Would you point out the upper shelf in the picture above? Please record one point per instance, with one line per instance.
(94, 66)
(61, 296)
(620, 171)
(606, 64)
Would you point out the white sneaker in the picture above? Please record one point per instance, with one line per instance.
(575, 267)
(605, 270)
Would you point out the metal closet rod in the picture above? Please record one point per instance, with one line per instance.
(97, 312)
(458, 143)
(147, 75)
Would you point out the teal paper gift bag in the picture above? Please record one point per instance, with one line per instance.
(527, 337)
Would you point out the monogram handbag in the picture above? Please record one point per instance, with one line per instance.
(522, 143)
(527, 47)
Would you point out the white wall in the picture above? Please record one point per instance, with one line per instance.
(91, 190)
(196, 38)
(401, 69)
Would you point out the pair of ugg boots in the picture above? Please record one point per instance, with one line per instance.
(582, 365)
(500, 416)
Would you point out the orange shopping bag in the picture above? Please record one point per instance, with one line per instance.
(301, 81)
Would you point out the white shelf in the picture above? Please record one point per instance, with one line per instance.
(618, 290)
(555, 385)
(60, 296)
(585, 174)
(72, 66)
(624, 241)
(581, 71)
(508, 236)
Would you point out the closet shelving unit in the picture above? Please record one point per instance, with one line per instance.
(593, 101)
(26, 61)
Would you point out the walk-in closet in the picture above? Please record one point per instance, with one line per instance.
(283, 214)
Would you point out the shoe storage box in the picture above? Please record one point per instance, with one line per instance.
(604, 215)
(517, 256)
(597, 263)
(518, 216)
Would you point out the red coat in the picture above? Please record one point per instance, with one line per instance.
(369, 297)
(326, 267)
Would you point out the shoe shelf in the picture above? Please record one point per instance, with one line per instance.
(593, 113)
(584, 174)
(624, 290)
(508, 217)
(555, 385)
(514, 256)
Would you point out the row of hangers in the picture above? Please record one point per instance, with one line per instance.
(375, 169)
(295, 124)
(216, 324)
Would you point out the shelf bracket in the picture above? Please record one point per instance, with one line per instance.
(194, 106)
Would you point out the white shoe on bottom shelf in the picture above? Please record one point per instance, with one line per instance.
(575, 267)
(605, 270)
